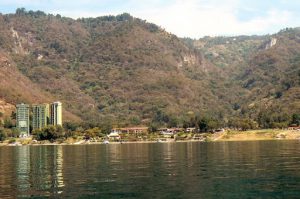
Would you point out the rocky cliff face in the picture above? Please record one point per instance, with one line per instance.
(271, 43)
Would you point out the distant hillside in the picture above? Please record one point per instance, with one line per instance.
(272, 76)
(123, 70)
(16, 88)
(265, 70)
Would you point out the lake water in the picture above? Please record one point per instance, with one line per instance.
(260, 169)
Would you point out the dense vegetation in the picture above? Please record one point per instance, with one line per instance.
(119, 71)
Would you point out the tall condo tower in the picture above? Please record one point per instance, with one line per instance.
(22, 117)
(40, 116)
(56, 113)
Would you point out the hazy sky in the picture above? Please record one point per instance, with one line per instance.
(185, 18)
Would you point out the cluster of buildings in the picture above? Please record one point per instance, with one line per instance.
(42, 116)
(163, 131)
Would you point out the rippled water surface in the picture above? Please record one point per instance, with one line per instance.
(264, 169)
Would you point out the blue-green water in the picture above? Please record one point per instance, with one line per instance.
(264, 169)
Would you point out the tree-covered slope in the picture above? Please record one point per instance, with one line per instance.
(127, 71)
(263, 70)
(119, 68)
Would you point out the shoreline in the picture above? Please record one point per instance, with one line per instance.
(227, 136)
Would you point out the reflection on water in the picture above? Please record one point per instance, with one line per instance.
(31, 171)
(23, 168)
(264, 169)
(59, 168)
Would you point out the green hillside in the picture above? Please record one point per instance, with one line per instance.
(265, 71)
(126, 71)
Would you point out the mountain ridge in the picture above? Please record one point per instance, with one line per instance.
(126, 71)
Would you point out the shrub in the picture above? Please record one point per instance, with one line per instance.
(296, 119)
(15, 132)
(12, 140)
(8, 123)
(49, 133)
(2, 135)
(153, 127)
(91, 133)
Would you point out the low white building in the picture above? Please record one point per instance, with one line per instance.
(114, 135)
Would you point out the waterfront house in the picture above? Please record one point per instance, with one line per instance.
(133, 130)
(169, 131)
(294, 127)
(114, 135)
(190, 130)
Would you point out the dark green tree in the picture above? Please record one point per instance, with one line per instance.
(21, 11)
(106, 128)
(2, 135)
(15, 132)
(49, 133)
(70, 126)
(153, 127)
(173, 122)
(8, 123)
(296, 119)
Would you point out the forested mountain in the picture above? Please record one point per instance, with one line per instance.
(265, 69)
(126, 71)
